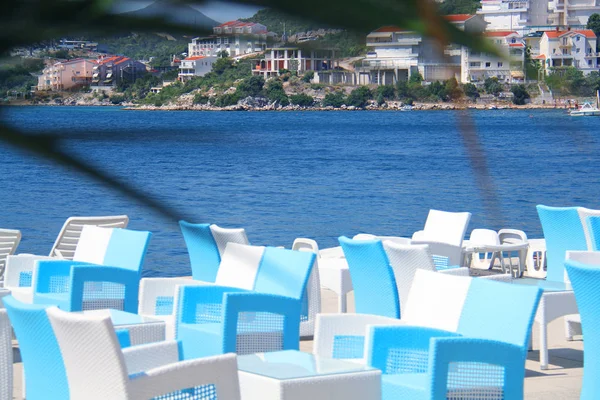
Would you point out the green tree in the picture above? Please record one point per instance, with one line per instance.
(594, 24)
(471, 91)
(415, 78)
(308, 76)
(274, 92)
(492, 86)
(387, 92)
(252, 86)
(520, 94)
(453, 90)
(221, 65)
(200, 98)
(359, 97)
(438, 91)
(449, 7)
(302, 100)
(334, 99)
(223, 54)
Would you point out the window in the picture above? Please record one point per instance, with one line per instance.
(499, 64)
(578, 49)
(488, 64)
(577, 38)
(475, 64)
(590, 63)
(565, 52)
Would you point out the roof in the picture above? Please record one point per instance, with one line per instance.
(235, 24)
(540, 57)
(500, 33)
(588, 33)
(193, 58)
(458, 17)
(389, 28)
(516, 45)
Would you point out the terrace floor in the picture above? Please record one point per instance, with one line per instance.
(561, 381)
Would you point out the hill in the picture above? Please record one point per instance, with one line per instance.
(181, 14)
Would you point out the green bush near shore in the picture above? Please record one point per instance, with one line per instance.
(334, 99)
(302, 100)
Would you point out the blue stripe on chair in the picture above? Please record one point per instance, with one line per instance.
(348, 346)
(25, 278)
(284, 272)
(127, 249)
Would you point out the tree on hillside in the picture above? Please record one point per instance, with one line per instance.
(520, 94)
(594, 24)
(492, 86)
(471, 91)
(449, 7)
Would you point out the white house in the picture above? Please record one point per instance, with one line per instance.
(235, 37)
(575, 48)
(476, 66)
(510, 15)
(574, 13)
(191, 67)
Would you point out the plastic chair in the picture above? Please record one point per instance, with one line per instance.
(104, 273)
(483, 237)
(97, 368)
(9, 241)
(311, 301)
(206, 244)
(585, 279)
(584, 214)
(42, 360)
(593, 229)
(263, 316)
(6, 357)
(573, 321)
(405, 260)
(373, 279)
(445, 227)
(483, 357)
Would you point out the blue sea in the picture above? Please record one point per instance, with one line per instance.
(283, 175)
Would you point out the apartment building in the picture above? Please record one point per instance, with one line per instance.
(568, 48)
(294, 59)
(476, 66)
(111, 70)
(508, 14)
(66, 75)
(191, 67)
(235, 37)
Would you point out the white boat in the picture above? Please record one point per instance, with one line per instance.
(406, 107)
(587, 109)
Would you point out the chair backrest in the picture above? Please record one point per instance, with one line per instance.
(40, 352)
(593, 233)
(284, 272)
(484, 237)
(585, 279)
(9, 240)
(511, 236)
(92, 355)
(446, 227)
(223, 236)
(510, 323)
(372, 277)
(452, 252)
(113, 247)
(68, 237)
(305, 244)
(6, 357)
(202, 249)
(405, 260)
(562, 231)
(239, 266)
(584, 213)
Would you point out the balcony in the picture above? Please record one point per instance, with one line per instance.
(592, 55)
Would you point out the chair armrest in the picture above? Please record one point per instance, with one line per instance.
(48, 270)
(105, 276)
(460, 271)
(148, 356)
(259, 313)
(447, 350)
(161, 290)
(343, 335)
(21, 263)
(191, 296)
(401, 343)
(220, 371)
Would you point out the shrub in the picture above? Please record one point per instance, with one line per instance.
(453, 90)
(302, 100)
(308, 76)
(471, 91)
(492, 86)
(274, 92)
(252, 86)
(334, 99)
(227, 99)
(520, 94)
(387, 92)
(359, 97)
(200, 98)
(117, 98)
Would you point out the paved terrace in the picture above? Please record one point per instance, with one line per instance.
(561, 381)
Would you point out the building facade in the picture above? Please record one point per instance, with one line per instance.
(111, 70)
(576, 48)
(66, 75)
(191, 67)
(235, 37)
(294, 59)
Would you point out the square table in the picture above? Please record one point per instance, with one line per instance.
(141, 329)
(294, 375)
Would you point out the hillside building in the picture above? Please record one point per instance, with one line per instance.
(235, 37)
(191, 67)
(66, 75)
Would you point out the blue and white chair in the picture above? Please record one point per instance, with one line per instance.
(453, 344)
(255, 307)
(6, 357)
(104, 273)
(585, 278)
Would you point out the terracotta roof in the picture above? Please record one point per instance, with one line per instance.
(588, 33)
(122, 60)
(499, 33)
(193, 58)
(390, 28)
(540, 57)
(516, 45)
(458, 17)
(235, 24)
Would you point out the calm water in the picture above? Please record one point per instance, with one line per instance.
(286, 175)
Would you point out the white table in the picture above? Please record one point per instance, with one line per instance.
(293, 375)
(141, 329)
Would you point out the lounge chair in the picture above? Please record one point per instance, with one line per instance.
(6, 357)
(311, 301)
(97, 367)
(9, 240)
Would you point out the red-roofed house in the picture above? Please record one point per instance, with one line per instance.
(235, 37)
(191, 67)
(113, 69)
(479, 66)
(575, 48)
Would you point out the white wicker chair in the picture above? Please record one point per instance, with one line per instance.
(223, 236)
(573, 321)
(9, 240)
(6, 357)
(406, 260)
(445, 227)
(313, 288)
(97, 368)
